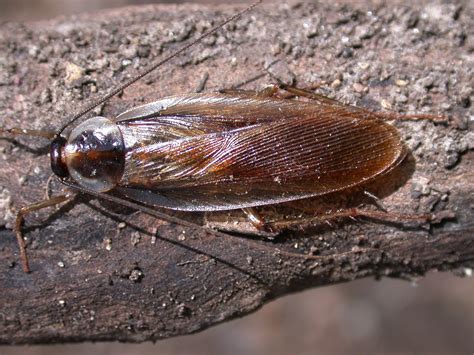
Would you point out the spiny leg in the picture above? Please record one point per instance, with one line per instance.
(21, 216)
(389, 116)
(288, 93)
(353, 213)
(267, 91)
(307, 93)
(394, 116)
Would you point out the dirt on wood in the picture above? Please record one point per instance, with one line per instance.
(100, 272)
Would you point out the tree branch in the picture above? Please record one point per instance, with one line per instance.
(95, 278)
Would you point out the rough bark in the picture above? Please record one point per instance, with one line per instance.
(96, 279)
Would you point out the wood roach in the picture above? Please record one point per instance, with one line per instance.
(220, 151)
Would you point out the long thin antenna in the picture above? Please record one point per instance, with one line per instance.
(154, 66)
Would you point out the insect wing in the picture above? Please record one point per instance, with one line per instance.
(184, 116)
(266, 160)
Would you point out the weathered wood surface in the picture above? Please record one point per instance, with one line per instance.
(96, 279)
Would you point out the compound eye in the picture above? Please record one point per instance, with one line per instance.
(95, 154)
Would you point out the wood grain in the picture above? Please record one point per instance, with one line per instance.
(97, 279)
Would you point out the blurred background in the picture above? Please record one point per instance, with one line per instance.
(432, 316)
(43, 9)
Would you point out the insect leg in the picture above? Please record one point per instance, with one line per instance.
(20, 216)
(394, 116)
(258, 221)
(377, 202)
(28, 132)
(47, 188)
(389, 116)
(356, 212)
(268, 91)
(307, 92)
(274, 91)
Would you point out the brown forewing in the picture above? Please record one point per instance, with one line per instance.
(244, 151)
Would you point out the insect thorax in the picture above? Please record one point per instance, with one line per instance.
(93, 155)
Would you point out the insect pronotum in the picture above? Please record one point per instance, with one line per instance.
(221, 151)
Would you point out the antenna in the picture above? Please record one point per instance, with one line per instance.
(153, 67)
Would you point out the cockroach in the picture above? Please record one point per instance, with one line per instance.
(221, 151)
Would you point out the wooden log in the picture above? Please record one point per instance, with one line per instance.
(95, 278)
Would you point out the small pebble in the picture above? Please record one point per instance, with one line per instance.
(386, 104)
(358, 87)
(402, 99)
(336, 84)
(401, 83)
(108, 244)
